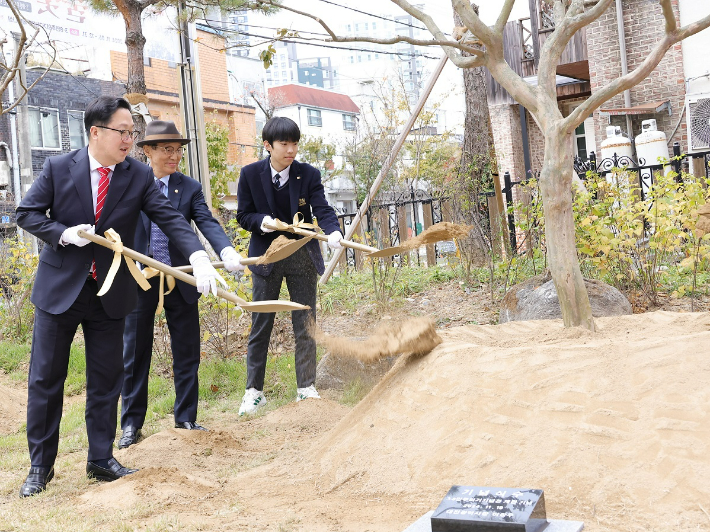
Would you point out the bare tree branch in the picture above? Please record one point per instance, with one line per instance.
(668, 14)
(556, 43)
(11, 69)
(619, 85)
(504, 16)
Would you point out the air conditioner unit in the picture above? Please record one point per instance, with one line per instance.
(698, 113)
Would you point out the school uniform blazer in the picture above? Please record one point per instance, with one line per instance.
(61, 197)
(255, 199)
(185, 194)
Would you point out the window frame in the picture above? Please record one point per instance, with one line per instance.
(350, 122)
(315, 117)
(82, 129)
(40, 109)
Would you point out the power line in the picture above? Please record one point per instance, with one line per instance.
(374, 16)
(322, 45)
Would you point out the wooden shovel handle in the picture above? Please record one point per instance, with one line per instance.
(185, 277)
(324, 238)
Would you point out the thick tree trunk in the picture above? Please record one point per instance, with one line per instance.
(556, 188)
(135, 43)
(475, 158)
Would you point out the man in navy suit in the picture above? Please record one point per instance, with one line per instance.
(280, 187)
(163, 145)
(98, 185)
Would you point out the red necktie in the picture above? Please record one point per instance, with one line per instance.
(100, 200)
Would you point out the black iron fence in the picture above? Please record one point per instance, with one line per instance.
(384, 223)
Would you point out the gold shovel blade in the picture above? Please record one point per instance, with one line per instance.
(272, 306)
(388, 252)
(288, 250)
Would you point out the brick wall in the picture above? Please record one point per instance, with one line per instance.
(62, 92)
(644, 26)
(163, 82)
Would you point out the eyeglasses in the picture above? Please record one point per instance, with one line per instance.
(170, 150)
(126, 134)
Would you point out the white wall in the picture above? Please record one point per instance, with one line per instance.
(696, 49)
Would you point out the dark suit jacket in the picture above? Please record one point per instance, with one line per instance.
(255, 199)
(61, 197)
(185, 194)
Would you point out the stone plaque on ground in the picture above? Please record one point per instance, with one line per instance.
(486, 509)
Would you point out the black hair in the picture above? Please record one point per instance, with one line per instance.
(100, 111)
(280, 129)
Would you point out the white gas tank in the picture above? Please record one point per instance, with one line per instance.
(651, 144)
(615, 143)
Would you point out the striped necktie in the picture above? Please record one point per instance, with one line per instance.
(158, 240)
(100, 200)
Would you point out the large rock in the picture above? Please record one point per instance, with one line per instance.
(536, 299)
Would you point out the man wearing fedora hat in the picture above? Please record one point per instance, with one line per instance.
(163, 145)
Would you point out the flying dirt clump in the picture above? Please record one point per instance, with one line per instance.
(416, 336)
(437, 233)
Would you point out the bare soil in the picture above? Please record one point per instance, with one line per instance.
(614, 426)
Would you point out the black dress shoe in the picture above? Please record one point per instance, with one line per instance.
(129, 437)
(36, 480)
(114, 471)
(189, 425)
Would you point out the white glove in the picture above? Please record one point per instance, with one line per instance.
(334, 239)
(232, 259)
(267, 220)
(70, 236)
(205, 275)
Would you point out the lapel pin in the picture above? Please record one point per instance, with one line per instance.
(298, 177)
(176, 191)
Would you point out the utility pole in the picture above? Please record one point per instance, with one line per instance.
(191, 105)
(23, 127)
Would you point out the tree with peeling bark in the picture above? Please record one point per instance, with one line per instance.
(485, 46)
(27, 36)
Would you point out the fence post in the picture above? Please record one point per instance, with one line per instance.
(511, 217)
(593, 161)
(428, 212)
(676, 161)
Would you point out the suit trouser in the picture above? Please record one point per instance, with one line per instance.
(301, 280)
(49, 361)
(184, 326)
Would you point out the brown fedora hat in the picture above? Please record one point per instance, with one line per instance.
(162, 131)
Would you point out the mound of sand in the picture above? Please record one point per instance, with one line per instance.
(615, 427)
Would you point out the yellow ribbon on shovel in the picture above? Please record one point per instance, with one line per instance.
(298, 223)
(149, 273)
(117, 246)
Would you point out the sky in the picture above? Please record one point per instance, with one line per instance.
(336, 13)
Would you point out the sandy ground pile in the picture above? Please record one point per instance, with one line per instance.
(614, 426)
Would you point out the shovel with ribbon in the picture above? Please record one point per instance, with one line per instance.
(113, 242)
(274, 254)
(310, 230)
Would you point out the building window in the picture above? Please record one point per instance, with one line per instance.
(374, 26)
(44, 128)
(314, 118)
(77, 134)
(146, 60)
(580, 140)
(348, 122)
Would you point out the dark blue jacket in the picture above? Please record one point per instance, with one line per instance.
(61, 197)
(185, 194)
(255, 199)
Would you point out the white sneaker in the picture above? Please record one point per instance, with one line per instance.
(253, 400)
(307, 393)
